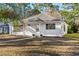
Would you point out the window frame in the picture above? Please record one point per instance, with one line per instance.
(50, 26)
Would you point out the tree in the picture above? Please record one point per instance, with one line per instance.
(7, 15)
(69, 14)
(32, 12)
(19, 8)
(43, 6)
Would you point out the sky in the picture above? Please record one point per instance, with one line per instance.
(59, 4)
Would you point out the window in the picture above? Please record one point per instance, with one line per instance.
(50, 26)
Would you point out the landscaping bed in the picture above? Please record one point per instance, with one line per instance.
(11, 37)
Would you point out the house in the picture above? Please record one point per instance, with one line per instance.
(5, 28)
(45, 25)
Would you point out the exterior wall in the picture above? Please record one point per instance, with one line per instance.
(51, 32)
(30, 30)
(66, 28)
(58, 31)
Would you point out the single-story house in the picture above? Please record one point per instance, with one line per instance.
(5, 28)
(45, 25)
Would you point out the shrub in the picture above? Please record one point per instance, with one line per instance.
(70, 30)
(74, 28)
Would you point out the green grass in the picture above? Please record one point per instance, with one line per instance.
(73, 35)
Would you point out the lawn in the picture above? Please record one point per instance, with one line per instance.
(73, 35)
(38, 50)
(53, 46)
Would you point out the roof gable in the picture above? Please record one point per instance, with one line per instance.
(49, 16)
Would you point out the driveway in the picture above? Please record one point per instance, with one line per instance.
(41, 46)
